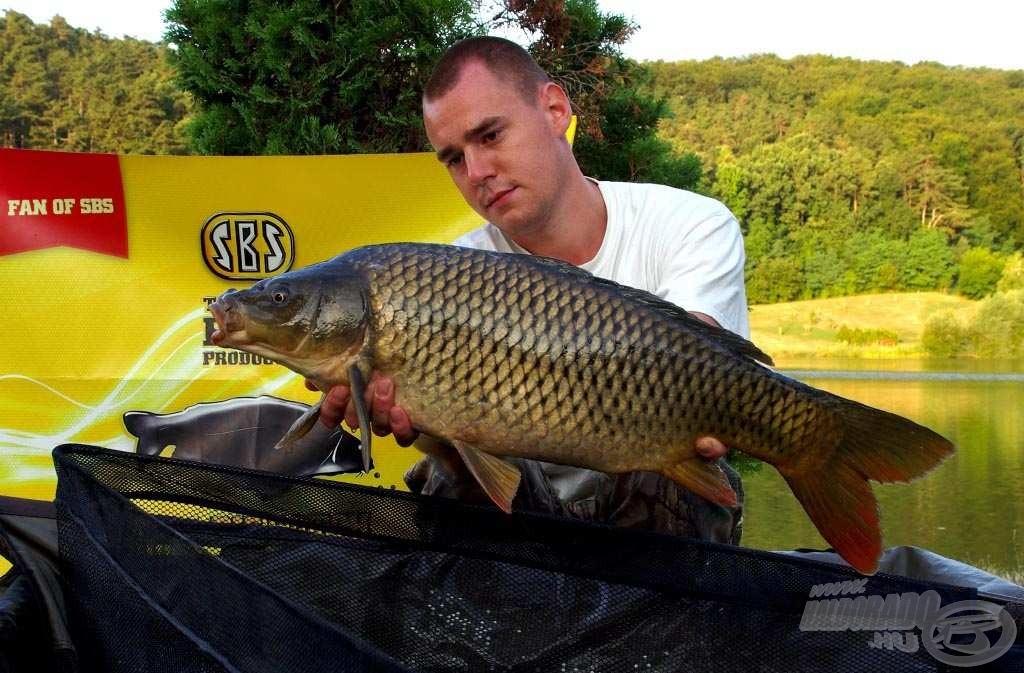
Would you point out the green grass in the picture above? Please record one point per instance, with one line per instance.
(809, 328)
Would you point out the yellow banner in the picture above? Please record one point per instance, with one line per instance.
(104, 312)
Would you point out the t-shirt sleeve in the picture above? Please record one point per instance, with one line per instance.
(486, 237)
(474, 239)
(703, 271)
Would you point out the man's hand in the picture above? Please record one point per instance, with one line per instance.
(385, 417)
(710, 448)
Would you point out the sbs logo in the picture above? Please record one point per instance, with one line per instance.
(247, 246)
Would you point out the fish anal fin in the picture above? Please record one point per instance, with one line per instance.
(497, 478)
(301, 427)
(703, 477)
(843, 508)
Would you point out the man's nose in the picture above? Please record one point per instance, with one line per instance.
(478, 166)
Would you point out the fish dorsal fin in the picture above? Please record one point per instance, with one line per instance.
(498, 479)
(718, 335)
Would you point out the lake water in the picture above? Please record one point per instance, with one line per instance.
(971, 507)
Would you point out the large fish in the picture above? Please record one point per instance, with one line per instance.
(513, 355)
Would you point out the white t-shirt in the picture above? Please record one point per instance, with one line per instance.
(682, 247)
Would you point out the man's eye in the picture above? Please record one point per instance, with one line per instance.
(454, 161)
(490, 136)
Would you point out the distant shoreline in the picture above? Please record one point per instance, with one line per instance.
(810, 328)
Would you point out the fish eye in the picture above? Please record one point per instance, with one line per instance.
(279, 297)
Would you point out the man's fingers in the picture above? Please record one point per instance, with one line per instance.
(401, 426)
(332, 410)
(385, 417)
(710, 448)
(381, 405)
(351, 417)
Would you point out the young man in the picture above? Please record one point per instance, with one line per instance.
(498, 124)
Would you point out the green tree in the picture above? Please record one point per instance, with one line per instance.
(69, 89)
(938, 193)
(773, 280)
(929, 263)
(27, 86)
(814, 149)
(580, 47)
(311, 76)
(979, 272)
(1013, 274)
(944, 336)
(998, 327)
(823, 270)
(728, 183)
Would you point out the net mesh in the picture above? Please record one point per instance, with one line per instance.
(180, 566)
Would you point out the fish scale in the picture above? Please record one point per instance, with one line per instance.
(513, 355)
(572, 325)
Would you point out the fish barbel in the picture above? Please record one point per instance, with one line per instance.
(514, 355)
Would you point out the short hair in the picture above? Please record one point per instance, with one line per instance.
(504, 58)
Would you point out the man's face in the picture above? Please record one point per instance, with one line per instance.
(503, 152)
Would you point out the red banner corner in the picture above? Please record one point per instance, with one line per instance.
(53, 199)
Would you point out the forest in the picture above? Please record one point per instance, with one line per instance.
(853, 177)
(847, 176)
(64, 88)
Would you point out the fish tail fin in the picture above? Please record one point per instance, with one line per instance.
(886, 447)
(845, 512)
(875, 445)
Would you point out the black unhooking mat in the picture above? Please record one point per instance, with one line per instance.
(177, 566)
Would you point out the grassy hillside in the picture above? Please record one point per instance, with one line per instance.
(890, 325)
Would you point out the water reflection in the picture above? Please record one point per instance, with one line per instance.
(971, 507)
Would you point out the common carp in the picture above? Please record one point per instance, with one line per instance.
(514, 355)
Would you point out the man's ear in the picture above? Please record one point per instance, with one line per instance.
(557, 107)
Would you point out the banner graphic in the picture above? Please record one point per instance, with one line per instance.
(108, 264)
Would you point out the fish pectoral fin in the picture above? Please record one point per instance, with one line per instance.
(301, 427)
(497, 478)
(355, 378)
(703, 477)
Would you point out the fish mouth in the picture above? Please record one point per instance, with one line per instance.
(228, 321)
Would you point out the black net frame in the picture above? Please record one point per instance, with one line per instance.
(182, 566)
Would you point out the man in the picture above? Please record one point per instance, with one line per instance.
(498, 124)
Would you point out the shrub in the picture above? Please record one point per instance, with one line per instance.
(944, 336)
(1013, 274)
(980, 270)
(998, 327)
(855, 336)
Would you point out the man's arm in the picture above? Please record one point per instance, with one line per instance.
(703, 272)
